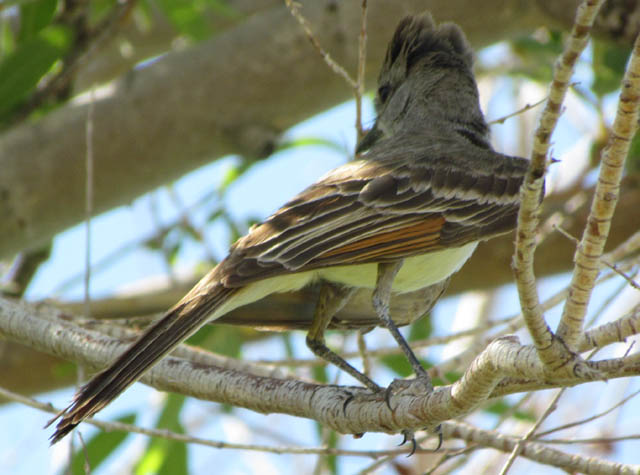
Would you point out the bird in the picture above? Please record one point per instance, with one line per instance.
(424, 189)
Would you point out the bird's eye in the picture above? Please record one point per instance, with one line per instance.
(383, 92)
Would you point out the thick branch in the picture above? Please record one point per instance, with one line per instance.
(531, 191)
(604, 203)
(366, 412)
(535, 451)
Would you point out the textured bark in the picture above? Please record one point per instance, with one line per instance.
(503, 367)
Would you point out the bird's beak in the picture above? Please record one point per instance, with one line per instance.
(373, 135)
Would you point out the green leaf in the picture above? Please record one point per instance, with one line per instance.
(7, 39)
(223, 8)
(172, 250)
(223, 339)
(34, 16)
(188, 17)
(398, 364)
(98, 448)
(332, 460)
(609, 63)
(190, 231)
(233, 173)
(230, 176)
(502, 407)
(99, 9)
(537, 56)
(319, 373)
(164, 456)
(288, 345)
(421, 329)
(28, 63)
(310, 141)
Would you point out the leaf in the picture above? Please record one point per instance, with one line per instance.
(311, 141)
(537, 56)
(421, 329)
(34, 16)
(232, 174)
(7, 39)
(164, 456)
(398, 364)
(28, 63)
(609, 63)
(332, 443)
(502, 407)
(98, 448)
(223, 339)
(188, 17)
(319, 373)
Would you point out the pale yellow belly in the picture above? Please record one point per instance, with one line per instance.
(416, 273)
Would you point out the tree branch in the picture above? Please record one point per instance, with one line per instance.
(503, 367)
(596, 231)
(536, 451)
(549, 349)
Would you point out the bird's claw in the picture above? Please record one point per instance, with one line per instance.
(409, 436)
(438, 430)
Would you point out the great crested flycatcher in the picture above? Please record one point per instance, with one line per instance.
(425, 187)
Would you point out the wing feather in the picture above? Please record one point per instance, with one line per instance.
(408, 196)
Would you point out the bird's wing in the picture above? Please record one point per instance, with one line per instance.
(403, 199)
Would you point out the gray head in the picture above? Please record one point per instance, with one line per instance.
(426, 84)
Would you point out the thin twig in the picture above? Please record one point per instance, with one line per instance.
(553, 405)
(362, 56)
(294, 8)
(595, 440)
(538, 451)
(588, 419)
(527, 107)
(602, 260)
(364, 354)
(88, 204)
(170, 435)
(626, 277)
(356, 84)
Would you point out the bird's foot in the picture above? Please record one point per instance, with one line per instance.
(418, 386)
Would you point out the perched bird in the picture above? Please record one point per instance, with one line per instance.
(425, 188)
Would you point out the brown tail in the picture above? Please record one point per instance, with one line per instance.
(176, 326)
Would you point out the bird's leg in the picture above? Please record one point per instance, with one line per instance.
(381, 298)
(330, 301)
